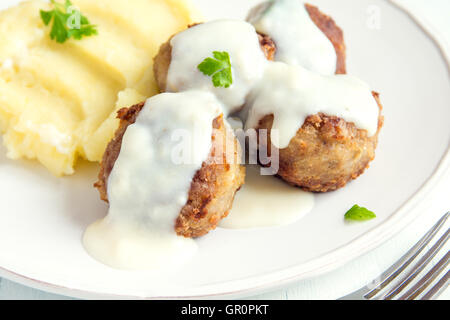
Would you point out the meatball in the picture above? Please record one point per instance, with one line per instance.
(325, 153)
(162, 60)
(213, 187)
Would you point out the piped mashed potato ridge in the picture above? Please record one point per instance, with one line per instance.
(59, 102)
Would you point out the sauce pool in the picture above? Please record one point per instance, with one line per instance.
(265, 201)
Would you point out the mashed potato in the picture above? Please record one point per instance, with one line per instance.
(58, 102)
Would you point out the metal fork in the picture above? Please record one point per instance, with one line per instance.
(397, 281)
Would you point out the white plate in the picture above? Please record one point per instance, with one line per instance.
(42, 218)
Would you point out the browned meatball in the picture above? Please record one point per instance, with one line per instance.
(163, 59)
(326, 152)
(213, 186)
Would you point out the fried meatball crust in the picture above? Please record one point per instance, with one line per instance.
(327, 25)
(326, 152)
(213, 187)
(127, 116)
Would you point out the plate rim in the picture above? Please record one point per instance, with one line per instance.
(397, 221)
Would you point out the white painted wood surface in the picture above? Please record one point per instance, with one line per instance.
(362, 270)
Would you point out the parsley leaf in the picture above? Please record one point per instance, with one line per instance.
(68, 22)
(219, 68)
(46, 16)
(359, 214)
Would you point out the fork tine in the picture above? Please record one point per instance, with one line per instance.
(423, 283)
(418, 267)
(392, 272)
(438, 287)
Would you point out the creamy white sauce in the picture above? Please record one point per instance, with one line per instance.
(292, 93)
(192, 46)
(265, 201)
(298, 40)
(148, 185)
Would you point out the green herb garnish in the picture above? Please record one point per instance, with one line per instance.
(359, 214)
(68, 22)
(219, 68)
